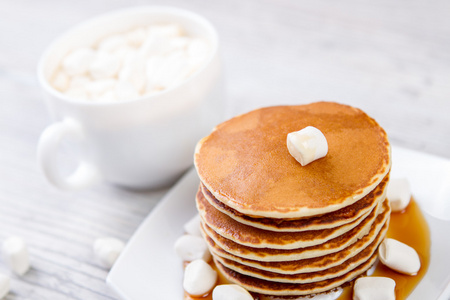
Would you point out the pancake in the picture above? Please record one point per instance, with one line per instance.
(246, 165)
(331, 272)
(259, 238)
(285, 289)
(329, 220)
(377, 232)
(277, 255)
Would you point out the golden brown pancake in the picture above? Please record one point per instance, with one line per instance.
(377, 232)
(329, 220)
(273, 255)
(260, 238)
(281, 288)
(331, 272)
(246, 165)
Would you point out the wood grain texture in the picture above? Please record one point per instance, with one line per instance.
(391, 59)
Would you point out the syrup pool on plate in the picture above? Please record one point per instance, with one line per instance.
(409, 227)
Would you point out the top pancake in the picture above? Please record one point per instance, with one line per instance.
(246, 165)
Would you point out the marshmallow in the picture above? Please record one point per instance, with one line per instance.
(107, 250)
(145, 60)
(136, 37)
(374, 288)
(179, 43)
(133, 71)
(199, 278)
(60, 81)
(230, 292)
(112, 43)
(5, 284)
(79, 81)
(152, 71)
(192, 227)
(104, 65)
(16, 256)
(191, 247)
(399, 194)
(78, 61)
(307, 145)
(399, 256)
(154, 46)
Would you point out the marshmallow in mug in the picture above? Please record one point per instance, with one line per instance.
(140, 62)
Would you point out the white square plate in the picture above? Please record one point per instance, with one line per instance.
(148, 268)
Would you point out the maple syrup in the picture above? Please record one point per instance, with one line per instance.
(409, 227)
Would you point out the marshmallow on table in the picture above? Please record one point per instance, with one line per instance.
(192, 247)
(192, 227)
(307, 145)
(374, 288)
(230, 292)
(398, 193)
(4, 285)
(399, 256)
(199, 278)
(107, 250)
(16, 255)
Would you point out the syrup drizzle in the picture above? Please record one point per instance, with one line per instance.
(409, 227)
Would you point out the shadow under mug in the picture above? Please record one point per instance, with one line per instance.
(142, 143)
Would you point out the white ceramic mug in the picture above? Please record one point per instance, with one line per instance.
(141, 143)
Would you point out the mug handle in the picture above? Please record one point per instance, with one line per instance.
(85, 175)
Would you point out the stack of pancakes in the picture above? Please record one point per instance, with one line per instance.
(278, 228)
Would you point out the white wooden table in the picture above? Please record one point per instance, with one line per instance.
(392, 59)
